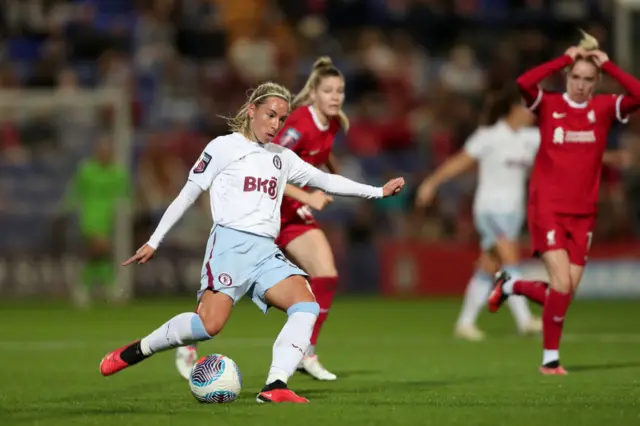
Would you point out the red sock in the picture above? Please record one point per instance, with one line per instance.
(324, 288)
(553, 313)
(536, 291)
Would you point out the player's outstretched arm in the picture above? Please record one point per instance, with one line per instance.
(529, 82)
(171, 216)
(303, 174)
(317, 200)
(453, 167)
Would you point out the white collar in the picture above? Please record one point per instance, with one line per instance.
(574, 104)
(316, 120)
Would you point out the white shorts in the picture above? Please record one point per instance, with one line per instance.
(493, 226)
(238, 263)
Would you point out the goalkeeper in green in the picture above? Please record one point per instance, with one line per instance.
(94, 192)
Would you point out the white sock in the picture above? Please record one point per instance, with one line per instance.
(550, 355)
(180, 330)
(520, 310)
(290, 346)
(515, 274)
(475, 297)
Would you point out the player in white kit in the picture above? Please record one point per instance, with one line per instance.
(504, 152)
(246, 176)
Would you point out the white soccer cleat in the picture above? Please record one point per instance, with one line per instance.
(469, 332)
(186, 357)
(533, 326)
(312, 366)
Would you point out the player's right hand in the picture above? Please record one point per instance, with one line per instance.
(318, 200)
(143, 255)
(392, 187)
(575, 52)
(426, 194)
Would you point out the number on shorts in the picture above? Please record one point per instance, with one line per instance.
(282, 258)
(589, 240)
(306, 214)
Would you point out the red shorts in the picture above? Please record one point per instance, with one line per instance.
(294, 225)
(554, 231)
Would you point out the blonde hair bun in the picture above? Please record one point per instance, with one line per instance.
(322, 62)
(588, 41)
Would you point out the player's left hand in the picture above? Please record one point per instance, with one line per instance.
(142, 256)
(598, 56)
(392, 187)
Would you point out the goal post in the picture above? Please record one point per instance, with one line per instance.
(78, 119)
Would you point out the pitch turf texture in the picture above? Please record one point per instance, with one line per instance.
(396, 361)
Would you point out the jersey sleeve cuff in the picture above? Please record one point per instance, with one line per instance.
(622, 119)
(154, 242)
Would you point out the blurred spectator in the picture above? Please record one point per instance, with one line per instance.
(461, 73)
(253, 55)
(154, 34)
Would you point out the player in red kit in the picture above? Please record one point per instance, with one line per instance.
(310, 131)
(563, 191)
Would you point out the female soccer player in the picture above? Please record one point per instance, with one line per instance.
(504, 151)
(563, 192)
(309, 132)
(246, 176)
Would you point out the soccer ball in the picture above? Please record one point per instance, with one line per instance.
(215, 379)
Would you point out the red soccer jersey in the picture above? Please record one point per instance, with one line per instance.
(306, 136)
(566, 172)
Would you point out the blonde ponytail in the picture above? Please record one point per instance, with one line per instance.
(241, 123)
(322, 67)
(588, 41)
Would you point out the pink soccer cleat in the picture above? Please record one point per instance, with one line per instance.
(114, 362)
(498, 296)
(278, 392)
(553, 371)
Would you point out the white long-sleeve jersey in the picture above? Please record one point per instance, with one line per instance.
(504, 159)
(246, 183)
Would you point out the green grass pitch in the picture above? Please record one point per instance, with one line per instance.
(396, 361)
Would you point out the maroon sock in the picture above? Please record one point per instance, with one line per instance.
(553, 313)
(324, 288)
(536, 291)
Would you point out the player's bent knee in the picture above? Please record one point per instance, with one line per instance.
(561, 284)
(214, 310)
(307, 307)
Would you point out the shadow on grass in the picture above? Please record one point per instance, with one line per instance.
(603, 366)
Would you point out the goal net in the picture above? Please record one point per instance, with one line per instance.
(44, 137)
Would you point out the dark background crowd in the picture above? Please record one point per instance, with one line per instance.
(417, 72)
